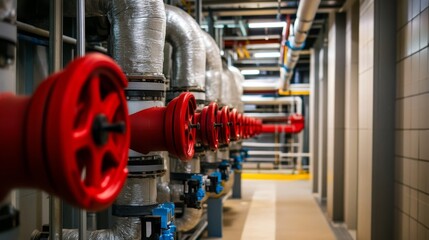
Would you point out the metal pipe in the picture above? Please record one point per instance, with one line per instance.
(55, 64)
(184, 34)
(305, 15)
(213, 69)
(198, 11)
(44, 33)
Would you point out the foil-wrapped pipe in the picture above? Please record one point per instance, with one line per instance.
(137, 36)
(213, 69)
(184, 35)
(226, 86)
(190, 219)
(237, 90)
(167, 68)
(136, 192)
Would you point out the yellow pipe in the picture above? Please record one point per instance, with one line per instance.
(293, 92)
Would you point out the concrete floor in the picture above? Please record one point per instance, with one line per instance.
(273, 209)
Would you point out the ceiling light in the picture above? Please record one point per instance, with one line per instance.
(267, 25)
(250, 72)
(266, 55)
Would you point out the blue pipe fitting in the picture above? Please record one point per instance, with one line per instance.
(200, 192)
(215, 181)
(166, 212)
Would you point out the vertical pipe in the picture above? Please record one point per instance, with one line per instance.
(55, 64)
(80, 47)
(211, 23)
(198, 11)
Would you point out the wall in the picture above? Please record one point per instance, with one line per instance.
(351, 117)
(412, 124)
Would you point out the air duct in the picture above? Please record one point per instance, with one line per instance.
(305, 15)
(189, 51)
(213, 69)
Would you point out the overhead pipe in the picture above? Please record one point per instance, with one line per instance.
(213, 69)
(189, 50)
(305, 15)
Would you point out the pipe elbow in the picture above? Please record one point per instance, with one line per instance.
(184, 34)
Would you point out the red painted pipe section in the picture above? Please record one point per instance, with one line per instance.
(71, 137)
(296, 126)
(171, 128)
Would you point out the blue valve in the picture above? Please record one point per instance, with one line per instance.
(238, 160)
(215, 181)
(166, 212)
(244, 152)
(200, 192)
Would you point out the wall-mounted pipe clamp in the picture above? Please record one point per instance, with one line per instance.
(71, 137)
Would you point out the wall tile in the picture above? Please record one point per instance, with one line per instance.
(415, 73)
(414, 204)
(415, 34)
(413, 229)
(423, 206)
(414, 171)
(424, 4)
(423, 176)
(424, 30)
(416, 8)
(423, 145)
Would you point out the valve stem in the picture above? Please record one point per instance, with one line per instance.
(218, 125)
(197, 126)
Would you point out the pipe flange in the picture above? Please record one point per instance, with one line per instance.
(224, 134)
(81, 116)
(180, 132)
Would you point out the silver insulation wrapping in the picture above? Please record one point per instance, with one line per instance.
(237, 90)
(213, 69)
(226, 85)
(189, 220)
(136, 192)
(189, 53)
(137, 36)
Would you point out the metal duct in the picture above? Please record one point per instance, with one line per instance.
(306, 12)
(168, 51)
(136, 192)
(184, 34)
(137, 36)
(213, 69)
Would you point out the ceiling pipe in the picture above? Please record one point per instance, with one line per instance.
(305, 15)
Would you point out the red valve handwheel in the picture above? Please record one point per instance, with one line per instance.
(73, 141)
(171, 128)
(208, 126)
(223, 118)
(240, 124)
(234, 131)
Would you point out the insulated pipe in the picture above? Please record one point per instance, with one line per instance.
(213, 69)
(237, 88)
(189, 50)
(136, 192)
(305, 15)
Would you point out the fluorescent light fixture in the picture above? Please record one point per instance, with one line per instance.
(250, 72)
(267, 25)
(266, 55)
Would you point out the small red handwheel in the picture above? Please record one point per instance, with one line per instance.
(181, 137)
(209, 126)
(224, 135)
(83, 130)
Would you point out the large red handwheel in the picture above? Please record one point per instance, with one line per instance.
(209, 126)
(223, 118)
(171, 128)
(74, 136)
(234, 131)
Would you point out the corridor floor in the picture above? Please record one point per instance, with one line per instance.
(274, 209)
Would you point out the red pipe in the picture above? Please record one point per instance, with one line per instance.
(296, 126)
(171, 128)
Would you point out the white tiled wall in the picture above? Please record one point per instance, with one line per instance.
(412, 121)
